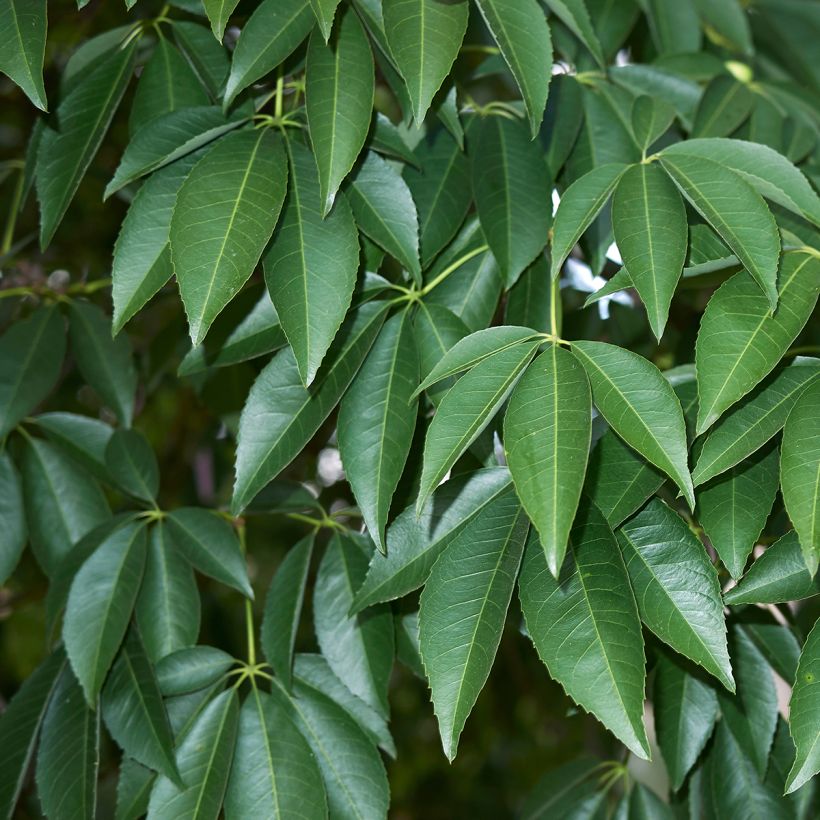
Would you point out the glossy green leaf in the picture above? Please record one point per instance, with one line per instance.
(585, 627)
(440, 189)
(204, 762)
(314, 672)
(271, 34)
(747, 427)
(776, 641)
(676, 587)
(63, 502)
(521, 31)
(618, 479)
(352, 770)
(133, 790)
(281, 415)
(104, 362)
(650, 119)
(167, 606)
(779, 575)
(12, 518)
(311, 265)
(283, 607)
(739, 342)
(466, 410)
(131, 460)
(68, 757)
(31, 357)
(547, 430)
(436, 330)
(20, 727)
(725, 104)
(800, 472)
(376, 422)
(207, 57)
(466, 353)
(767, 171)
(84, 117)
(240, 185)
(210, 544)
(358, 648)
(385, 212)
(84, 438)
(735, 210)
(424, 38)
(339, 99)
(751, 714)
(569, 788)
(414, 542)
(100, 603)
(171, 137)
(274, 773)
(23, 48)
(191, 669)
(579, 206)
(167, 83)
(142, 255)
(649, 220)
(686, 709)
(512, 193)
(463, 608)
(640, 405)
(530, 300)
(133, 710)
(733, 508)
(574, 15)
(218, 12)
(803, 714)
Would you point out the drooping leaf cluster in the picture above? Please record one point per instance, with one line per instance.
(543, 276)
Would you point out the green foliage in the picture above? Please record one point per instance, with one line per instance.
(474, 300)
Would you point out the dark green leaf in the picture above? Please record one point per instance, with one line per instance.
(436, 329)
(574, 15)
(547, 431)
(569, 788)
(585, 627)
(12, 518)
(132, 462)
(210, 544)
(676, 587)
(463, 608)
(283, 607)
(219, 11)
(311, 265)
(31, 357)
(206, 56)
(803, 714)
(100, 603)
(240, 183)
(24, 23)
(724, 106)
(191, 669)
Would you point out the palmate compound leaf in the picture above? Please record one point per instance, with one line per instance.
(100, 603)
(586, 629)
(800, 472)
(424, 38)
(224, 215)
(274, 773)
(521, 31)
(736, 211)
(547, 431)
(339, 100)
(281, 415)
(739, 342)
(414, 542)
(377, 418)
(804, 713)
(512, 193)
(754, 421)
(649, 221)
(311, 265)
(358, 648)
(466, 410)
(463, 610)
(676, 587)
(640, 405)
(204, 761)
